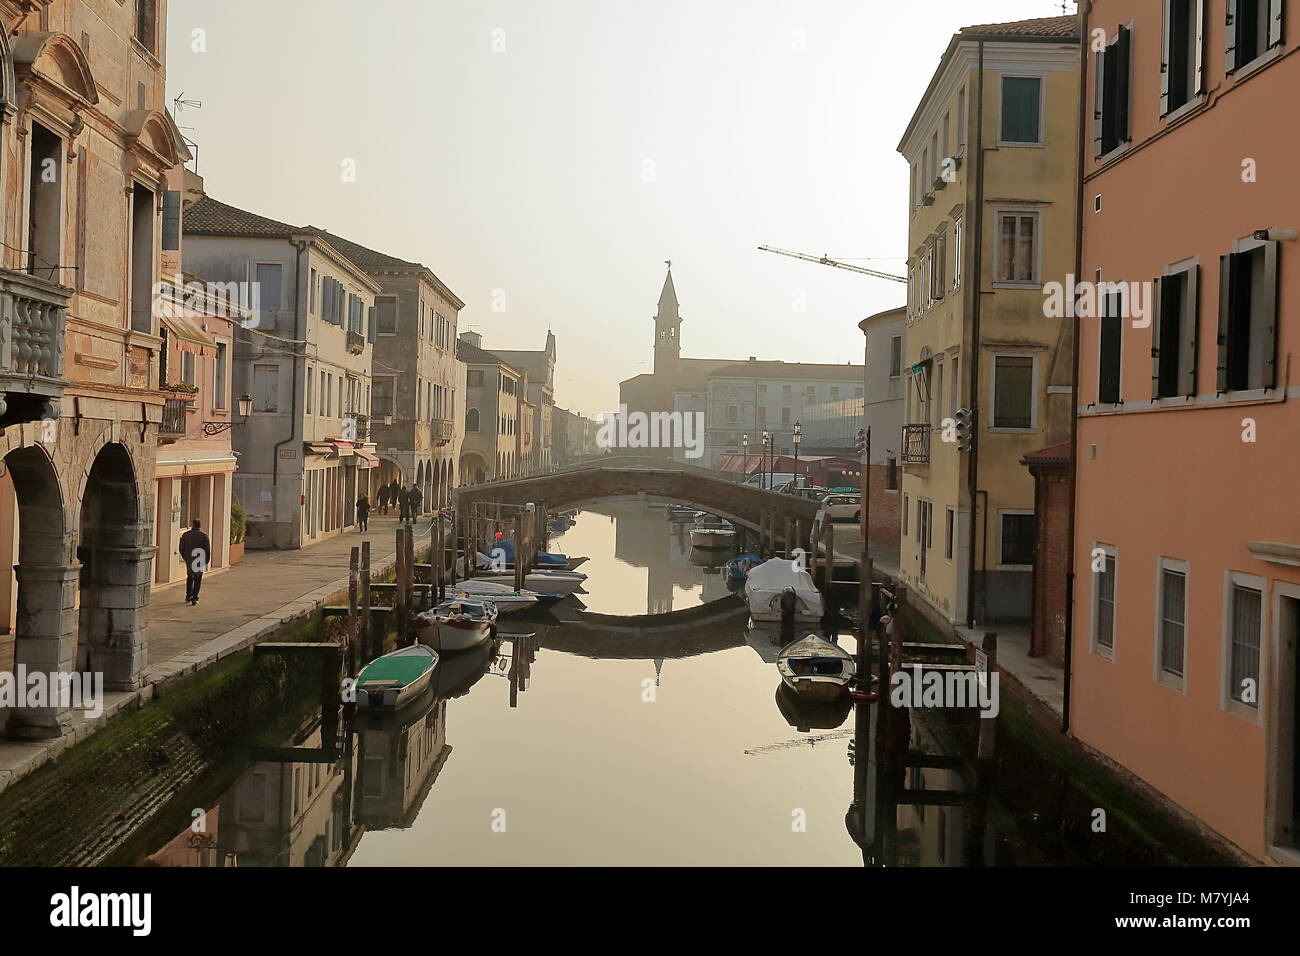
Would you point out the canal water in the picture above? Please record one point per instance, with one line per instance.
(644, 727)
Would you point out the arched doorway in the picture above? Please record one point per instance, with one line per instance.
(45, 630)
(115, 549)
(473, 469)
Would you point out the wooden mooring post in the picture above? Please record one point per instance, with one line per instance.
(366, 637)
(354, 626)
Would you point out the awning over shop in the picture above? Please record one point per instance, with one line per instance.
(366, 460)
(188, 336)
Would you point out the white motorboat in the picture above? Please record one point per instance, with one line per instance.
(506, 600)
(816, 669)
(766, 583)
(562, 583)
(457, 625)
(396, 679)
(712, 532)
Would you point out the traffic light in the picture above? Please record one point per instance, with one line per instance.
(965, 419)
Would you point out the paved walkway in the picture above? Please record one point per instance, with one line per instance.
(1044, 680)
(236, 609)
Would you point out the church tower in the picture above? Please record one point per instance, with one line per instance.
(668, 326)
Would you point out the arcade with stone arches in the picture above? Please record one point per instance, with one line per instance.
(76, 528)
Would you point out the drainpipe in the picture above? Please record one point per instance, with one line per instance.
(299, 336)
(1085, 12)
(972, 473)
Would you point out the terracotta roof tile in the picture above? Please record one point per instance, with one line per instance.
(1065, 27)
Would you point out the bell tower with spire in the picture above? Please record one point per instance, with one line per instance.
(668, 327)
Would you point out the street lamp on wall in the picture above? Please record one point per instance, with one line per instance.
(243, 404)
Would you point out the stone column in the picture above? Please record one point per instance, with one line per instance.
(114, 620)
(46, 642)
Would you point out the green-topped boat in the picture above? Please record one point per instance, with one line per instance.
(395, 679)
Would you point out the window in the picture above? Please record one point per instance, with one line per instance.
(956, 254)
(310, 408)
(785, 390)
(1017, 247)
(219, 377)
(386, 314)
(311, 294)
(939, 256)
(266, 388)
(891, 473)
(1017, 538)
(171, 235)
(269, 277)
(785, 416)
(895, 356)
(189, 368)
(961, 119)
(835, 393)
(1111, 109)
(925, 524)
(1103, 612)
(1173, 355)
(762, 415)
(936, 406)
(1172, 619)
(1182, 65)
(1021, 109)
(1248, 317)
(1254, 28)
(906, 506)
(471, 420)
(474, 377)
(949, 527)
(142, 258)
(1110, 342)
(953, 388)
(1013, 391)
(146, 24)
(733, 414)
(1245, 626)
(911, 188)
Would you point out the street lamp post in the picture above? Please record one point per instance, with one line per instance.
(763, 461)
(797, 437)
(744, 445)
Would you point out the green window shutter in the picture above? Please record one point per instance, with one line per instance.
(1021, 103)
(171, 226)
(1161, 303)
(1225, 316)
(1124, 47)
(1230, 43)
(1267, 313)
(1098, 104)
(1191, 332)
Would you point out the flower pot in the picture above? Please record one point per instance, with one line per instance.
(236, 553)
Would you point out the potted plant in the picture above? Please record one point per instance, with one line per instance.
(181, 390)
(238, 528)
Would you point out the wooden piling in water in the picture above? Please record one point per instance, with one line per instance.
(364, 640)
(354, 625)
(519, 558)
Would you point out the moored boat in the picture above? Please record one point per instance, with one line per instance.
(395, 679)
(505, 600)
(765, 584)
(480, 587)
(816, 669)
(562, 583)
(457, 624)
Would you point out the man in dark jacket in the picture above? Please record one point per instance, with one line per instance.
(196, 552)
(404, 501)
(416, 497)
(381, 499)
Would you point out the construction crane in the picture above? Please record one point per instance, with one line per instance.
(826, 261)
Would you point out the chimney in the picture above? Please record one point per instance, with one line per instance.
(473, 338)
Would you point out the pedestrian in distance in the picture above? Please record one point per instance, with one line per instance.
(404, 500)
(416, 497)
(196, 552)
(381, 499)
(363, 513)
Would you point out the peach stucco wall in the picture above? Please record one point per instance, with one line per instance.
(1180, 482)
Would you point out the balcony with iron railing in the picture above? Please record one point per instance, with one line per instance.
(175, 419)
(916, 445)
(33, 323)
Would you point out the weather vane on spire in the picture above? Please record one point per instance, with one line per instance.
(668, 263)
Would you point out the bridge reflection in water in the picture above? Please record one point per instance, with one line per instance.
(609, 735)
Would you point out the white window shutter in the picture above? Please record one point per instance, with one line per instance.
(1198, 78)
(1276, 12)
(1190, 329)
(1230, 43)
(1166, 40)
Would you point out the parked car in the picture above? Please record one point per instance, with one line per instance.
(843, 507)
(811, 492)
(761, 479)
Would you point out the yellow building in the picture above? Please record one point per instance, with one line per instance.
(1000, 219)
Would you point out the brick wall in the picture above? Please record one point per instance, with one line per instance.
(885, 505)
(1052, 512)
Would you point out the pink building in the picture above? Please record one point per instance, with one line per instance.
(1186, 591)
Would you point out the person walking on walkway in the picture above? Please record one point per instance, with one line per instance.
(196, 552)
(416, 498)
(404, 500)
(363, 513)
(395, 494)
(381, 499)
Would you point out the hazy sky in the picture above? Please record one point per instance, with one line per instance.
(561, 150)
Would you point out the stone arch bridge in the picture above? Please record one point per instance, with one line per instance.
(745, 506)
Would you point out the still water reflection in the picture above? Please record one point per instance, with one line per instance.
(640, 724)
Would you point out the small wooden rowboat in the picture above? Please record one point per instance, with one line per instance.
(389, 682)
(816, 669)
(457, 624)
